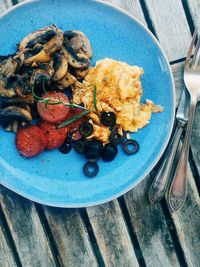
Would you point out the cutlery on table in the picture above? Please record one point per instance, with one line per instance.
(161, 181)
(178, 189)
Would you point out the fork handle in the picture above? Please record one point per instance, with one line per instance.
(160, 183)
(178, 189)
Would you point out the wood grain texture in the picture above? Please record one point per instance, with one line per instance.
(170, 24)
(194, 7)
(4, 5)
(133, 7)
(177, 71)
(71, 237)
(27, 231)
(195, 141)
(150, 228)
(6, 255)
(187, 222)
(112, 235)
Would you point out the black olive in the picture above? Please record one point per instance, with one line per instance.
(130, 147)
(109, 152)
(92, 155)
(65, 148)
(79, 146)
(108, 118)
(86, 129)
(69, 137)
(94, 144)
(90, 169)
(115, 137)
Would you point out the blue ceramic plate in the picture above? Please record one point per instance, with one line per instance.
(56, 179)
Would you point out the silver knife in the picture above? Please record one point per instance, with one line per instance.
(161, 181)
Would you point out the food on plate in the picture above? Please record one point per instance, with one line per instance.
(130, 147)
(56, 111)
(49, 56)
(30, 141)
(118, 91)
(55, 136)
(102, 104)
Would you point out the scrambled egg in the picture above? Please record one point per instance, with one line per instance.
(118, 89)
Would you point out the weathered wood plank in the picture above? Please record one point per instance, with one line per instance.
(71, 237)
(111, 235)
(6, 255)
(187, 222)
(177, 70)
(27, 232)
(195, 142)
(150, 227)
(170, 23)
(194, 7)
(133, 7)
(4, 5)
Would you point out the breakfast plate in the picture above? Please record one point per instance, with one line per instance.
(53, 178)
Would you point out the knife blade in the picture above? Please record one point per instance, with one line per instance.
(183, 108)
(161, 181)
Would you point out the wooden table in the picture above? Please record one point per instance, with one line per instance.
(128, 231)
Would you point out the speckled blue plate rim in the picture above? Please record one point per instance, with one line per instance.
(165, 142)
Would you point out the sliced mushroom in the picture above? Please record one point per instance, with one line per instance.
(66, 81)
(8, 68)
(41, 36)
(27, 99)
(80, 74)
(18, 85)
(43, 72)
(6, 92)
(46, 51)
(32, 59)
(75, 59)
(14, 112)
(15, 117)
(60, 66)
(78, 40)
(15, 125)
(19, 58)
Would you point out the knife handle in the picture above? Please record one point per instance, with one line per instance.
(178, 188)
(160, 183)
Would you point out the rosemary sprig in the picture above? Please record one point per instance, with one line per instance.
(95, 97)
(53, 101)
(67, 122)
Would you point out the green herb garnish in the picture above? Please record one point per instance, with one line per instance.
(95, 97)
(52, 101)
(67, 122)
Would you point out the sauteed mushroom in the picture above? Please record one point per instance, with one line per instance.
(27, 99)
(46, 51)
(79, 41)
(41, 36)
(67, 81)
(46, 54)
(76, 59)
(43, 72)
(15, 116)
(60, 66)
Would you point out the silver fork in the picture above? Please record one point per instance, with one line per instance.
(178, 189)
